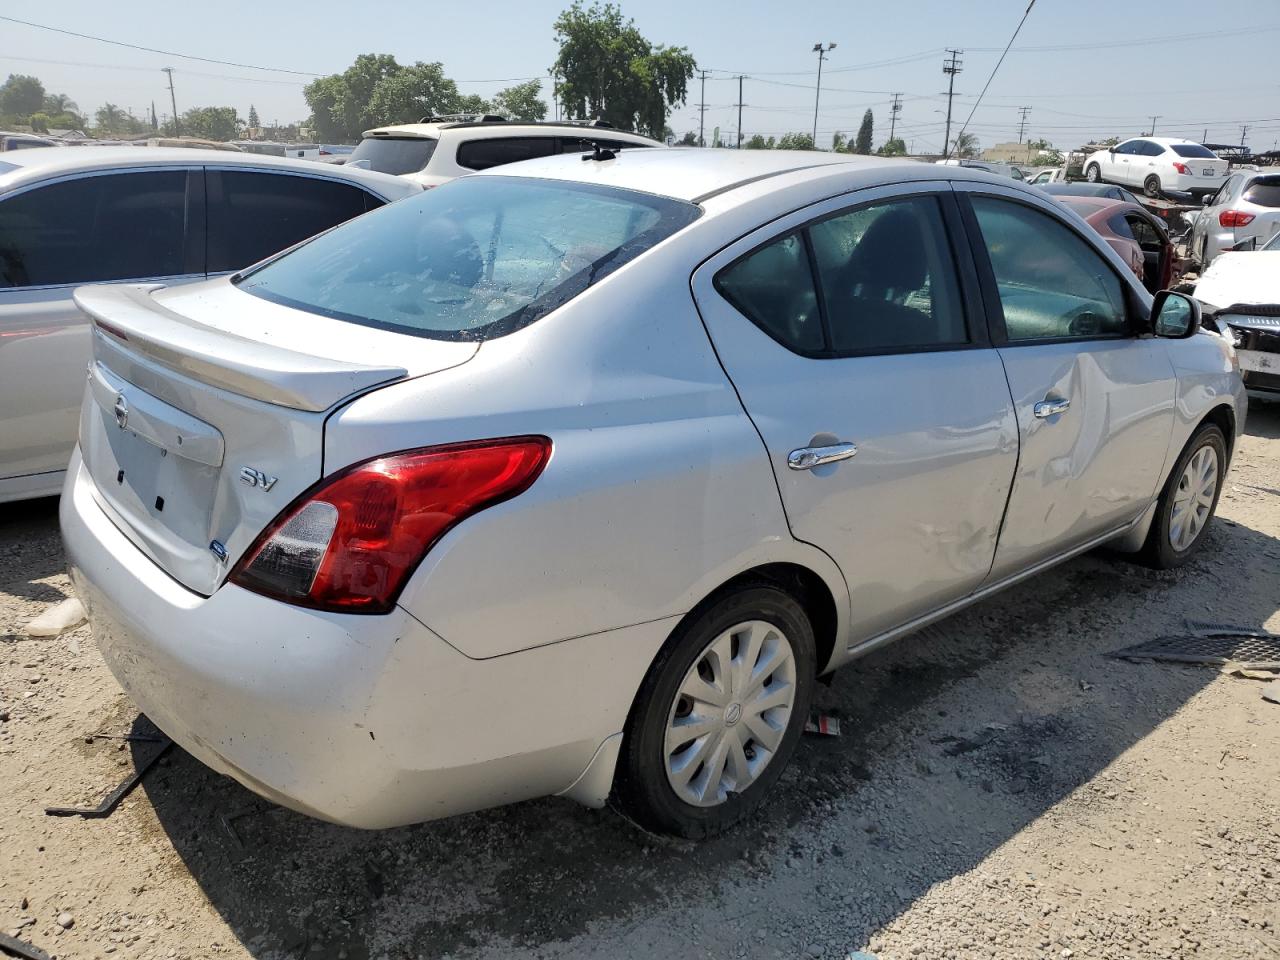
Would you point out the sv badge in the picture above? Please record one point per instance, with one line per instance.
(256, 478)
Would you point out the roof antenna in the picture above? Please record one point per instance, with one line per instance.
(599, 153)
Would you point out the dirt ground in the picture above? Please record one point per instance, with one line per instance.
(1001, 789)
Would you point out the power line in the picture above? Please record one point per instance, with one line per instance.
(173, 101)
(702, 108)
(1154, 118)
(740, 105)
(894, 109)
(951, 66)
(1022, 121)
(1026, 13)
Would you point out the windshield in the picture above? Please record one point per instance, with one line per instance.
(394, 154)
(1273, 243)
(1192, 150)
(474, 259)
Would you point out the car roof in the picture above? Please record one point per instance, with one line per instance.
(21, 167)
(697, 174)
(1167, 141)
(477, 130)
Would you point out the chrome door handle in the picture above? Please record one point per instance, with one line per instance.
(806, 458)
(1051, 407)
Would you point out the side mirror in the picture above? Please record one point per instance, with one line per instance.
(1206, 200)
(1111, 150)
(1174, 315)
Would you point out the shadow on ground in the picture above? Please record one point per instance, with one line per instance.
(1036, 711)
(32, 550)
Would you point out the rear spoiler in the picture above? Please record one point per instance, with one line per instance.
(130, 316)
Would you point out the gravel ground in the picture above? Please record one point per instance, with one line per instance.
(1000, 790)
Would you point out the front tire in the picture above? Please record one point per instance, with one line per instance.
(1092, 173)
(1188, 501)
(1151, 187)
(718, 715)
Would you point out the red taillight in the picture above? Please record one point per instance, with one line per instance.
(350, 543)
(1180, 167)
(1234, 218)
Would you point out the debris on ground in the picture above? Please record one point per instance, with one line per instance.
(108, 803)
(20, 948)
(823, 724)
(58, 619)
(1214, 644)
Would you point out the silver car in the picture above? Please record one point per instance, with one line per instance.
(128, 214)
(1244, 213)
(572, 477)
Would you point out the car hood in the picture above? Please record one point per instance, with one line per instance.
(1247, 277)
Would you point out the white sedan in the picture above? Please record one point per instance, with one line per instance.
(1241, 294)
(1158, 165)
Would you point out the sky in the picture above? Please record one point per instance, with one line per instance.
(1086, 68)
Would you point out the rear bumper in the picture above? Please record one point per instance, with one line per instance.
(364, 721)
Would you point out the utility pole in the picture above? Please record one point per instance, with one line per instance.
(1244, 130)
(1154, 118)
(740, 79)
(173, 102)
(895, 108)
(1022, 121)
(702, 106)
(951, 66)
(821, 50)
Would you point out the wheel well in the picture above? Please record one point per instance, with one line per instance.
(1225, 419)
(808, 589)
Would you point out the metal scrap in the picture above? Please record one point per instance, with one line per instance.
(1217, 644)
(112, 799)
(20, 948)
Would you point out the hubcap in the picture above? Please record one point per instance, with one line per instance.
(1193, 498)
(730, 713)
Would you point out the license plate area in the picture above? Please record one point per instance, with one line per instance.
(1209, 173)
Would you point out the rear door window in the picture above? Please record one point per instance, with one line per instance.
(773, 288)
(253, 214)
(1193, 150)
(1052, 284)
(497, 151)
(118, 226)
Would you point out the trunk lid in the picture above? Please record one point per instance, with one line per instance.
(205, 408)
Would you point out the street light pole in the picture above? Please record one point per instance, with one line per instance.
(821, 50)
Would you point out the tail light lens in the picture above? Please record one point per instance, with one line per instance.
(1234, 218)
(350, 543)
(1180, 167)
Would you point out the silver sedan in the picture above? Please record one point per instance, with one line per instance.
(572, 477)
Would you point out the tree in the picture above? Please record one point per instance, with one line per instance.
(56, 103)
(254, 123)
(966, 145)
(521, 102)
(607, 70)
(690, 139)
(839, 142)
(893, 148)
(1048, 156)
(110, 120)
(211, 123)
(758, 142)
(796, 141)
(862, 143)
(21, 96)
(39, 122)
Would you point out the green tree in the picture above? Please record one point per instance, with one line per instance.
(690, 139)
(967, 146)
(211, 123)
(21, 96)
(758, 142)
(254, 122)
(608, 70)
(521, 102)
(795, 141)
(56, 103)
(893, 148)
(111, 120)
(39, 122)
(862, 143)
(413, 92)
(341, 104)
(1049, 156)
(839, 142)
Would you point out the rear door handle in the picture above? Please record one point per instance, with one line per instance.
(1051, 406)
(806, 458)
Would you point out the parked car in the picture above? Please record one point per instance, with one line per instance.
(570, 478)
(1108, 191)
(438, 149)
(1244, 212)
(1140, 239)
(94, 214)
(990, 166)
(1051, 175)
(1158, 165)
(1241, 294)
(24, 141)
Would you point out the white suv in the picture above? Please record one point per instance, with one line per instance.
(439, 148)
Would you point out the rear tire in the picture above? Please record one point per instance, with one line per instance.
(1188, 501)
(746, 648)
(1151, 187)
(1092, 173)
